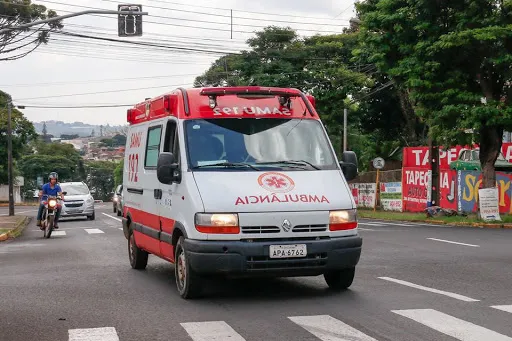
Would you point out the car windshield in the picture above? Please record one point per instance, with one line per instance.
(75, 189)
(254, 144)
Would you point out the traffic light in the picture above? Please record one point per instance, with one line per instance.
(130, 25)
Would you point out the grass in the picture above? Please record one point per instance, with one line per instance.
(408, 216)
(2, 231)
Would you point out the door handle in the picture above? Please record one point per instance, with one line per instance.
(157, 193)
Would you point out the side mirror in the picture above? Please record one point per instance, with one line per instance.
(349, 165)
(64, 193)
(166, 167)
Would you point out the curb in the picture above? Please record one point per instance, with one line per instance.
(17, 231)
(456, 223)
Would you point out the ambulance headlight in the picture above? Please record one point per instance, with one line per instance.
(342, 220)
(223, 223)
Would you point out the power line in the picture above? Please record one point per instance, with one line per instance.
(76, 107)
(244, 11)
(102, 92)
(191, 20)
(234, 17)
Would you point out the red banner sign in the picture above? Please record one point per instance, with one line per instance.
(414, 189)
(419, 156)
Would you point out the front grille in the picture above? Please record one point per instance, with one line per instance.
(311, 261)
(310, 228)
(259, 229)
(74, 205)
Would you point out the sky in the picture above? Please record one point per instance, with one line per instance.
(72, 71)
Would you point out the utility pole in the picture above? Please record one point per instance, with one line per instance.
(345, 115)
(9, 156)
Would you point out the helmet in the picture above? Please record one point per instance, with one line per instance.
(53, 175)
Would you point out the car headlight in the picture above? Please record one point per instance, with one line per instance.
(90, 200)
(223, 223)
(342, 220)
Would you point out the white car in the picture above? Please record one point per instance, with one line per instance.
(78, 200)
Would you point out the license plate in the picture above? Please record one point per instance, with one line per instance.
(288, 251)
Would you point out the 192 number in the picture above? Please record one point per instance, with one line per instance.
(133, 167)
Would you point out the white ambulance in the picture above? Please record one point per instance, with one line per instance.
(238, 181)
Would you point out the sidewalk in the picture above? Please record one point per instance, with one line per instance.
(12, 227)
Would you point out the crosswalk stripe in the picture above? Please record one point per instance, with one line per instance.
(440, 292)
(211, 331)
(507, 308)
(93, 334)
(58, 233)
(451, 326)
(93, 231)
(327, 328)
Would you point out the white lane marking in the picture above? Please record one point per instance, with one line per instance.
(448, 241)
(398, 224)
(58, 233)
(94, 231)
(108, 215)
(327, 328)
(452, 326)
(93, 334)
(120, 228)
(369, 224)
(211, 331)
(507, 308)
(363, 229)
(440, 292)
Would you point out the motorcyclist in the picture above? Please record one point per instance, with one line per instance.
(51, 188)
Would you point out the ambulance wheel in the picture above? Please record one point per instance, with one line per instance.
(187, 281)
(340, 279)
(138, 257)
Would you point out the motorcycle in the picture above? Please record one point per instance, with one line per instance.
(51, 204)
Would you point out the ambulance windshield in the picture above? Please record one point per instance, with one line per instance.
(291, 144)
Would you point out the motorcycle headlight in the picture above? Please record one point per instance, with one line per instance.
(52, 203)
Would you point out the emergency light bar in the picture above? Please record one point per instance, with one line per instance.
(250, 90)
(258, 90)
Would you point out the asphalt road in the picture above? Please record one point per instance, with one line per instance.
(413, 283)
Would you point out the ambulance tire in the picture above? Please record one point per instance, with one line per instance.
(340, 279)
(138, 257)
(189, 283)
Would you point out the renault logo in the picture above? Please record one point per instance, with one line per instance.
(286, 225)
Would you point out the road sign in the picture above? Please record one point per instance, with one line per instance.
(130, 25)
(378, 163)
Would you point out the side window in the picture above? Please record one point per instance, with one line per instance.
(153, 147)
(171, 143)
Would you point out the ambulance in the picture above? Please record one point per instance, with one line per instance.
(238, 182)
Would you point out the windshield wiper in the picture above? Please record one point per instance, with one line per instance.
(290, 162)
(227, 164)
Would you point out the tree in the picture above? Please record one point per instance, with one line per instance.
(100, 178)
(44, 158)
(453, 60)
(319, 65)
(118, 173)
(22, 132)
(18, 43)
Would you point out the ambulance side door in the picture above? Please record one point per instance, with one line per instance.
(171, 194)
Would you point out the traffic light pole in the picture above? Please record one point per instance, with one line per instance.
(8, 29)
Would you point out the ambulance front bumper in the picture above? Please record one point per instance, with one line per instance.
(253, 258)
